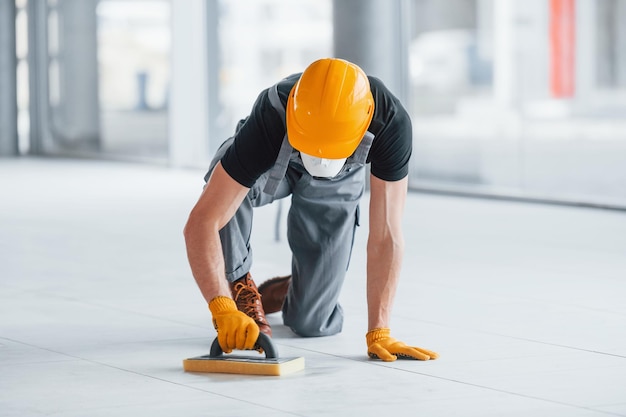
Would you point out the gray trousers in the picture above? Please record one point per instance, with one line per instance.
(321, 224)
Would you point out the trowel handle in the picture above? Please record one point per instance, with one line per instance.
(264, 342)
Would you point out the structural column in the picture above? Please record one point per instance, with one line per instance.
(374, 34)
(76, 111)
(189, 94)
(8, 80)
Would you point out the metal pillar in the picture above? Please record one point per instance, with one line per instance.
(8, 80)
(374, 34)
(64, 105)
(37, 77)
(76, 117)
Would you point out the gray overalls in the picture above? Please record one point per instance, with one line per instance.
(321, 224)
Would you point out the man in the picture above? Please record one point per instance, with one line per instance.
(309, 136)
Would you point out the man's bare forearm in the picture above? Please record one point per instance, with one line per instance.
(217, 205)
(385, 248)
(204, 252)
(384, 260)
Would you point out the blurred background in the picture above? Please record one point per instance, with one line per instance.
(509, 99)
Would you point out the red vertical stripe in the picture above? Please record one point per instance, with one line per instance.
(562, 47)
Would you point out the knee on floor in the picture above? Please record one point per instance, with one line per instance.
(312, 328)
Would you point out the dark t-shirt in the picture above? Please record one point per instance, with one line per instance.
(258, 141)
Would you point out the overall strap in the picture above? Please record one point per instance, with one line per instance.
(278, 171)
(360, 155)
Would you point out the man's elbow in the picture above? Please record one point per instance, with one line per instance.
(389, 243)
(190, 227)
(199, 225)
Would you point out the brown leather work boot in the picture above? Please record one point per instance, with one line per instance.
(248, 300)
(273, 293)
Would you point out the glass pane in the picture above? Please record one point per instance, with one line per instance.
(104, 77)
(133, 73)
(451, 74)
(521, 99)
(450, 55)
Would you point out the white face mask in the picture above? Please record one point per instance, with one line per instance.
(320, 167)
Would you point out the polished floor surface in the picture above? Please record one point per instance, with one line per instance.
(525, 303)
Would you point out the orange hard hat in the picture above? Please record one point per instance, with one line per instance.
(329, 109)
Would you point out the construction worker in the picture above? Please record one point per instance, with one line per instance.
(308, 136)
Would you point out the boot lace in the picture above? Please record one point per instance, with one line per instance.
(248, 300)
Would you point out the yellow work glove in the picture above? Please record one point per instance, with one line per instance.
(235, 330)
(381, 346)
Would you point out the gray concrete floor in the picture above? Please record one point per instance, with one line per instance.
(525, 303)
